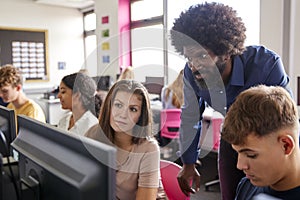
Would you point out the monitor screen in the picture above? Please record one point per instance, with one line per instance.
(8, 129)
(103, 82)
(153, 79)
(153, 88)
(154, 85)
(65, 166)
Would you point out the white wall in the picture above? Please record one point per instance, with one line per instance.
(272, 35)
(271, 24)
(65, 34)
(294, 56)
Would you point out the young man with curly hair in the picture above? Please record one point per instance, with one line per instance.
(11, 91)
(211, 36)
(262, 126)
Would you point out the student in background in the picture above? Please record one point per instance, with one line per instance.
(127, 73)
(172, 94)
(262, 126)
(11, 91)
(171, 98)
(126, 122)
(77, 94)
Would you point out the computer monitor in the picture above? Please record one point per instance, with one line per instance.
(153, 79)
(103, 82)
(8, 129)
(154, 85)
(63, 165)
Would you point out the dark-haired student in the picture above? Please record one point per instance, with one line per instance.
(262, 126)
(77, 94)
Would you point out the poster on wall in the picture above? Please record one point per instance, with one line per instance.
(105, 33)
(26, 49)
(106, 59)
(105, 46)
(105, 20)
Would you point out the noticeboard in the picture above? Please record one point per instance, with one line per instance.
(26, 49)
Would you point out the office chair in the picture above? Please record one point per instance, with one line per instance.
(168, 172)
(170, 123)
(169, 132)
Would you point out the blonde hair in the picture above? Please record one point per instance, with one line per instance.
(177, 87)
(127, 73)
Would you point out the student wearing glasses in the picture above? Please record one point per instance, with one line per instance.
(211, 36)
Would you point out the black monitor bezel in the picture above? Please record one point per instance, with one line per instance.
(52, 141)
(9, 115)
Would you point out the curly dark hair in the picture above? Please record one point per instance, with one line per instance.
(214, 26)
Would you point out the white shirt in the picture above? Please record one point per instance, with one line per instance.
(81, 126)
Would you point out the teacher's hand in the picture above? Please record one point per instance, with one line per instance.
(188, 176)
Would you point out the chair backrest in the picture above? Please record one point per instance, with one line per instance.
(168, 172)
(170, 123)
(216, 128)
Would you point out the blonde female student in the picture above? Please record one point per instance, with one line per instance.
(125, 121)
(172, 94)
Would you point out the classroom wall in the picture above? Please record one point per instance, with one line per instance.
(107, 8)
(294, 68)
(283, 39)
(65, 39)
(65, 34)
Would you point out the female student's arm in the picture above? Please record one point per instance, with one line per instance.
(146, 193)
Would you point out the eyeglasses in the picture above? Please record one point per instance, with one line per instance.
(199, 60)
